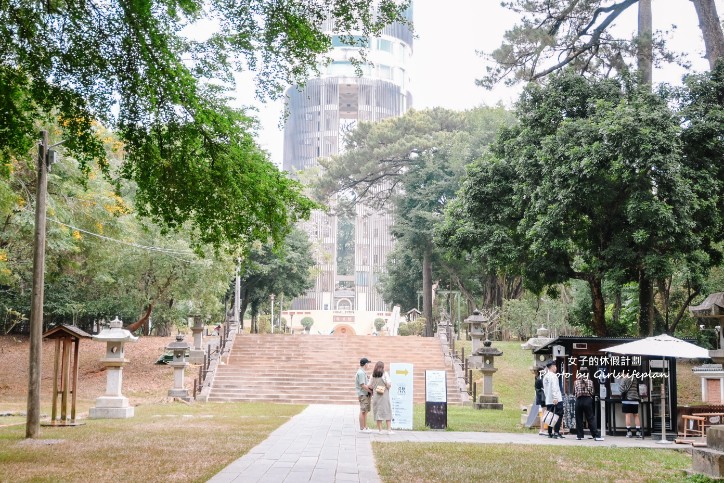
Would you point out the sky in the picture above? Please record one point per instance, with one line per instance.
(445, 63)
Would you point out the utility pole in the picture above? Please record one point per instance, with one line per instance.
(32, 428)
(272, 312)
(237, 295)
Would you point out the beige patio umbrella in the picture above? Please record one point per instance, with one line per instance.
(661, 346)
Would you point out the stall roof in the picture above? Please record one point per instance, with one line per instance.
(568, 340)
(64, 330)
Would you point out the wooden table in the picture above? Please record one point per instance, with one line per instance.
(708, 419)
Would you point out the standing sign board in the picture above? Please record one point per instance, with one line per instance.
(401, 395)
(436, 399)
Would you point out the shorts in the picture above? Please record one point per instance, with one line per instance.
(630, 408)
(365, 403)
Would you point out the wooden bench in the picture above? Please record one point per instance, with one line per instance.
(694, 425)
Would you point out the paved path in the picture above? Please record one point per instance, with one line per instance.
(322, 445)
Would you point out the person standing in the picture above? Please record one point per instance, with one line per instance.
(630, 405)
(540, 397)
(554, 398)
(363, 394)
(584, 405)
(380, 385)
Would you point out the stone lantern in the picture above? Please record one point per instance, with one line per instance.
(541, 339)
(712, 308)
(487, 354)
(179, 348)
(477, 327)
(113, 404)
(483, 358)
(196, 354)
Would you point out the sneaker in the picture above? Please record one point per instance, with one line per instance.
(629, 434)
(366, 430)
(598, 438)
(639, 435)
(542, 433)
(389, 431)
(579, 438)
(559, 435)
(550, 435)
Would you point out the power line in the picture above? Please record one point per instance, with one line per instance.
(167, 251)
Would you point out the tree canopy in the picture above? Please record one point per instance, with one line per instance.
(589, 184)
(129, 66)
(554, 34)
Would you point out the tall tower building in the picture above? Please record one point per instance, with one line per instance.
(350, 249)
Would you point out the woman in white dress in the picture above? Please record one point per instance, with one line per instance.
(380, 384)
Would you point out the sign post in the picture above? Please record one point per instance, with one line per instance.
(401, 395)
(436, 399)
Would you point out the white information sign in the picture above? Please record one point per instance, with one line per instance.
(435, 386)
(401, 394)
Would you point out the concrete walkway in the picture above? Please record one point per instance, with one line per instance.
(322, 444)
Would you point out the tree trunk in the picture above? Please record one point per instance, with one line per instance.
(617, 306)
(243, 306)
(710, 29)
(645, 51)
(427, 291)
(646, 305)
(599, 307)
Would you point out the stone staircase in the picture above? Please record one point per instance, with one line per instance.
(307, 369)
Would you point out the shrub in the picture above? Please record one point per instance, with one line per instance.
(263, 324)
(379, 323)
(307, 323)
(416, 327)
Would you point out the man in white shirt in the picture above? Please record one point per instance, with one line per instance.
(554, 398)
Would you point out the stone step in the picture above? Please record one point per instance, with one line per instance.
(319, 369)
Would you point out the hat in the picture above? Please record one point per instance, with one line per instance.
(551, 362)
(364, 361)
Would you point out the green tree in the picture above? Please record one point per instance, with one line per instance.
(307, 323)
(268, 270)
(587, 185)
(102, 260)
(128, 66)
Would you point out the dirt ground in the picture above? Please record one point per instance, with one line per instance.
(143, 380)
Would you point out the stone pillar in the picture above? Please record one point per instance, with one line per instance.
(196, 355)
(179, 364)
(113, 404)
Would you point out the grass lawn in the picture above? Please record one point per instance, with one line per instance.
(163, 442)
(442, 462)
(513, 383)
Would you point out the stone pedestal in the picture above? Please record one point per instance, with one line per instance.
(113, 404)
(710, 460)
(488, 402)
(196, 355)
